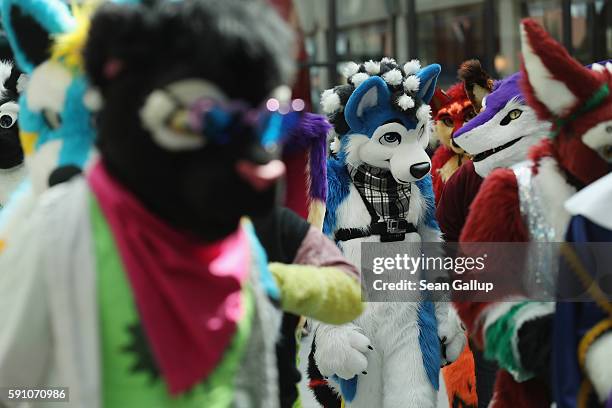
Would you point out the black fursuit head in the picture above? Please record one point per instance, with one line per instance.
(243, 48)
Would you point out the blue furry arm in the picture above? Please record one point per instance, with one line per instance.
(338, 182)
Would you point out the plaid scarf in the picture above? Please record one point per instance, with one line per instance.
(389, 199)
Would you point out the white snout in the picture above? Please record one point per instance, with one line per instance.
(409, 163)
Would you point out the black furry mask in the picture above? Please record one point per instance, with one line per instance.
(191, 185)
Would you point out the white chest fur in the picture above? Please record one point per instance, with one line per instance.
(396, 362)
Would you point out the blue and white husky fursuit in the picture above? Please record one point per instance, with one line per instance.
(380, 191)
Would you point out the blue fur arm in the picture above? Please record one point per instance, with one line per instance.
(338, 182)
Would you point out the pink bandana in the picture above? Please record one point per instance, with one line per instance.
(188, 294)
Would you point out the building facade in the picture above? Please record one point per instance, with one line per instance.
(443, 31)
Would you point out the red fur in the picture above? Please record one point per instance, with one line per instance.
(457, 92)
(454, 104)
(510, 394)
(539, 151)
(438, 160)
(495, 215)
(439, 99)
(581, 81)
(296, 194)
(568, 149)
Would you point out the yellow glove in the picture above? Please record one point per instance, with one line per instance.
(326, 294)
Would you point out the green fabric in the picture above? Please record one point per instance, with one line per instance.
(594, 101)
(498, 343)
(122, 385)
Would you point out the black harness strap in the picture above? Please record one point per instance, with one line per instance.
(389, 231)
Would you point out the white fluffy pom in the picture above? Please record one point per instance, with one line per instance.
(350, 69)
(405, 102)
(387, 60)
(412, 83)
(412, 67)
(423, 113)
(371, 67)
(359, 78)
(393, 77)
(330, 101)
(598, 67)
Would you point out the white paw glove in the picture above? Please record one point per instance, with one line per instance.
(341, 350)
(452, 337)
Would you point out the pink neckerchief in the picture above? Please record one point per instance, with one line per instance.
(188, 294)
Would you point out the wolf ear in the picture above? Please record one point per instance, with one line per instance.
(439, 99)
(30, 26)
(476, 81)
(554, 82)
(371, 95)
(428, 77)
(121, 34)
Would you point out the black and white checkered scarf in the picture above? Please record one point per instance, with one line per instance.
(377, 186)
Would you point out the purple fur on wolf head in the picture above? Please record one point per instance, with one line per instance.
(503, 91)
(502, 133)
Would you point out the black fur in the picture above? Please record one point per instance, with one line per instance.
(241, 47)
(535, 346)
(37, 42)
(63, 174)
(323, 394)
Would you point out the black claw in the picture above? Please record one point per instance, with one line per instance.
(443, 339)
(364, 372)
(371, 348)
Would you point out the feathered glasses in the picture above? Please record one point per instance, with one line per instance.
(222, 123)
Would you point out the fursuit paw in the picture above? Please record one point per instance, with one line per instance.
(535, 345)
(341, 350)
(451, 333)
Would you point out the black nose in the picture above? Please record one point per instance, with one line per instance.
(420, 170)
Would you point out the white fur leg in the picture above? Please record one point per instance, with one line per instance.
(341, 350)
(450, 330)
(405, 382)
(598, 366)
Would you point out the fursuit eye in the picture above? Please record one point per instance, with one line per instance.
(7, 120)
(392, 138)
(448, 122)
(512, 115)
(52, 119)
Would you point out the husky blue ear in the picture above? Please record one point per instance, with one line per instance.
(429, 78)
(30, 26)
(370, 96)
